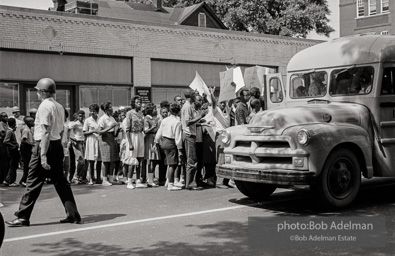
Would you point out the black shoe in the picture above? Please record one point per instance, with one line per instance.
(18, 223)
(69, 220)
(195, 188)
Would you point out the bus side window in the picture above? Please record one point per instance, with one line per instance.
(387, 86)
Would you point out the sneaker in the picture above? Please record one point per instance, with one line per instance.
(106, 183)
(14, 185)
(99, 181)
(182, 181)
(231, 184)
(5, 183)
(152, 185)
(179, 184)
(91, 182)
(171, 187)
(140, 185)
(130, 186)
(23, 184)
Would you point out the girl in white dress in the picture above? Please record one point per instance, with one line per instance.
(92, 150)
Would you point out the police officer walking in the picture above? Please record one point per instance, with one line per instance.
(47, 158)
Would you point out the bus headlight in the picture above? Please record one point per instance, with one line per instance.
(303, 137)
(225, 137)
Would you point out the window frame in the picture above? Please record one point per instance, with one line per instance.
(108, 87)
(382, 6)
(200, 15)
(360, 4)
(370, 9)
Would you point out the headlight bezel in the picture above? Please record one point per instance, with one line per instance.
(303, 137)
(225, 137)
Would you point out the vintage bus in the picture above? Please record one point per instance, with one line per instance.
(334, 122)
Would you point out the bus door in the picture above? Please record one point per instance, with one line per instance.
(274, 91)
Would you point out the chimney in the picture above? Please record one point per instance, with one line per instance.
(157, 4)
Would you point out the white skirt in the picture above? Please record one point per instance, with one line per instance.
(130, 156)
(92, 149)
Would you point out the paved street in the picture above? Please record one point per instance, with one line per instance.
(154, 221)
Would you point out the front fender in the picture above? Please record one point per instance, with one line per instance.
(325, 137)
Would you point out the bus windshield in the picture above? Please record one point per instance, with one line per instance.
(308, 85)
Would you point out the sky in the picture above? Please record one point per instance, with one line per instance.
(44, 4)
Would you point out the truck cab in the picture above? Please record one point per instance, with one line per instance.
(333, 122)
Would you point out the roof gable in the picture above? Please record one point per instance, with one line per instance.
(149, 13)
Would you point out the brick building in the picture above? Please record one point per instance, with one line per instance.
(366, 16)
(94, 58)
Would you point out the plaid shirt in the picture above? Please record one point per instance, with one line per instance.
(242, 114)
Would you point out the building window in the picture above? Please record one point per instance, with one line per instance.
(9, 97)
(385, 6)
(360, 8)
(118, 96)
(372, 7)
(202, 20)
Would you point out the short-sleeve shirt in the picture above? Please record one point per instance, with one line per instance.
(106, 121)
(90, 124)
(49, 113)
(149, 122)
(27, 134)
(77, 126)
(189, 113)
(135, 121)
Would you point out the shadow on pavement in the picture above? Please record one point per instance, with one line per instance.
(94, 218)
(221, 238)
(86, 219)
(374, 198)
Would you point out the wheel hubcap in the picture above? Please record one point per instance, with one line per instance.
(341, 178)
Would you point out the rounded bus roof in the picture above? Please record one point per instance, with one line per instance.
(344, 51)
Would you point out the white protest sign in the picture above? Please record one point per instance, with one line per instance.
(238, 78)
(227, 86)
(251, 78)
(199, 85)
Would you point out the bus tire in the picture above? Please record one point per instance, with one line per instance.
(340, 179)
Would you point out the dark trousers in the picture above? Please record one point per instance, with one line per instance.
(199, 163)
(13, 157)
(72, 163)
(4, 161)
(26, 154)
(162, 167)
(36, 178)
(190, 150)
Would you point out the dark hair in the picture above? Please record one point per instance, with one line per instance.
(174, 109)
(105, 106)
(11, 121)
(175, 97)
(255, 102)
(188, 94)
(255, 92)
(164, 104)
(194, 95)
(94, 107)
(26, 119)
(149, 109)
(79, 112)
(133, 101)
(243, 90)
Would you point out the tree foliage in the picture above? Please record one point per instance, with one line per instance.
(277, 17)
